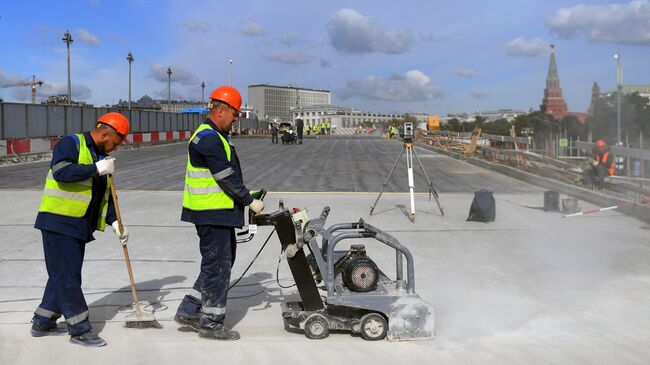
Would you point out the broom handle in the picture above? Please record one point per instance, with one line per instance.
(126, 250)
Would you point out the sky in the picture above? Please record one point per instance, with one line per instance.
(411, 56)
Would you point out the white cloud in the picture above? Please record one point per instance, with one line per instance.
(479, 94)
(288, 58)
(94, 2)
(79, 91)
(352, 32)
(465, 72)
(289, 38)
(253, 29)
(87, 37)
(611, 23)
(411, 86)
(180, 74)
(196, 26)
(526, 48)
(9, 79)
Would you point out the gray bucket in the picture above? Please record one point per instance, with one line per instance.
(570, 205)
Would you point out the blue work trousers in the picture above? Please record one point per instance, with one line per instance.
(64, 256)
(207, 300)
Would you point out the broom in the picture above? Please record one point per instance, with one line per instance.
(137, 319)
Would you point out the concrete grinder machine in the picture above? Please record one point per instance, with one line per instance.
(357, 296)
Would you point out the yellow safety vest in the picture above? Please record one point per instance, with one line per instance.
(72, 199)
(202, 192)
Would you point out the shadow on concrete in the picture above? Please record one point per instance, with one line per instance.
(105, 309)
(251, 292)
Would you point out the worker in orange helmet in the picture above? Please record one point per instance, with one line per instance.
(603, 164)
(76, 201)
(214, 199)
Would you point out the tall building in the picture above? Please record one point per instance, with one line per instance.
(277, 101)
(340, 117)
(553, 102)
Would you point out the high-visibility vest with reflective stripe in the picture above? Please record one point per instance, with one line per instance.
(71, 199)
(202, 192)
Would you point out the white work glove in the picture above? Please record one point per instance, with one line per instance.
(256, 206)
(123, 236)
(105, 166)
(594, 163)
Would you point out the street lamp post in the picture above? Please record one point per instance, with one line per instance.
(229, 71)
(202, 92)
(130, 58)
(67, 39)
(169, 86)
(619, 86)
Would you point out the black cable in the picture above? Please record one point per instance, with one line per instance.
(277, 274)
(253, 261)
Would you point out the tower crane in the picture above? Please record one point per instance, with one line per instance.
(32, 83)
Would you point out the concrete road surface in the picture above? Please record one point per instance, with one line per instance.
(529, 288)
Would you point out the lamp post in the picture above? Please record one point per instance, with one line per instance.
(202, 92)
(229, 71)
(619, 86)
(130, 58)
(169, 86)
(67, 39)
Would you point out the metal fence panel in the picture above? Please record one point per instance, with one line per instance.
(160, 122)
(88, 118)
(2, 129)
(135, 120)
(15, 125)
(74, 119)
(55, 120)
(36, 120)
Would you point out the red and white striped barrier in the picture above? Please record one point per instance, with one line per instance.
(644, 200)
(33, 145)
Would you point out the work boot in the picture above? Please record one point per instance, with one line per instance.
(188, 321)
(219, 332)
(88, 339)
(50, 330)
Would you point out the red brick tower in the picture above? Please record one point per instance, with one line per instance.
(553, 102)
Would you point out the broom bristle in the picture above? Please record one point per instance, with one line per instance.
(141, 320)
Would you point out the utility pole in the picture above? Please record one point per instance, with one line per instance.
(169, 86)
(67, 39)
(202, 92)
(130, 58)
(619, 86)
(229, 72)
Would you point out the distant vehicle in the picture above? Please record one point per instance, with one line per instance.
(288, 134)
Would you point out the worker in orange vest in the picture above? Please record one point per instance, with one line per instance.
(602, 163)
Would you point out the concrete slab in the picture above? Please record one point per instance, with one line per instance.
(530, 288)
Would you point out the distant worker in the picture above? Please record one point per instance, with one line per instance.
(275, 129)
(393, 131)
(308, 129)
(323, 129)
(328, 125)
(76, 202)
(299, 127)
(603, 164)
(214, 201)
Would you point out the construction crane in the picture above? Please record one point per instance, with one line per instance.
(32, 83)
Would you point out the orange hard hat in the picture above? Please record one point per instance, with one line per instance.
(117, 121)
(600, 143)
(228, 95)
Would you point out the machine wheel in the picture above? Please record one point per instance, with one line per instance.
(317, 327)
(373, 327)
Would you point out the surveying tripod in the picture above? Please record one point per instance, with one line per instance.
(410, 151)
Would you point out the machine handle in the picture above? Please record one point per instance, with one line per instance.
(325, 213)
